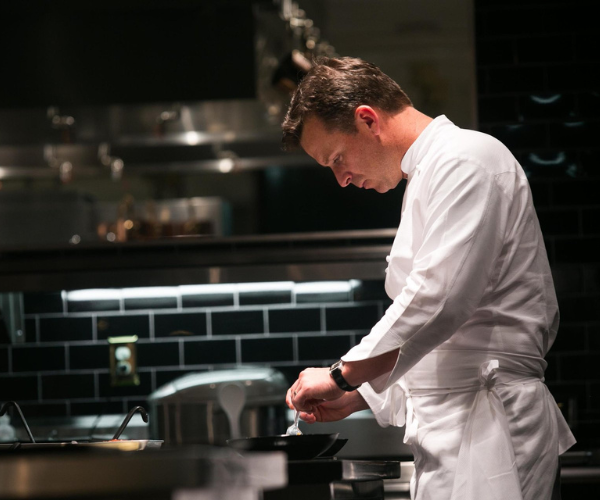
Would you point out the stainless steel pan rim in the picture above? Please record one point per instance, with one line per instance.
(303, 447)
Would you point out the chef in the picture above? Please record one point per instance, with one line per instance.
(458, 358)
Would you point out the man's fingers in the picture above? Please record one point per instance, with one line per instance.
(307, 417)
(288, 399)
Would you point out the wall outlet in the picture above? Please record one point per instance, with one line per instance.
(123, 361)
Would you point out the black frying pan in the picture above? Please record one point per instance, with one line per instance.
(303, 447)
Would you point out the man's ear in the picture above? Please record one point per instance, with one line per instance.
(366, 116)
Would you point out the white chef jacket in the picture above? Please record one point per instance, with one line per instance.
(474, 312)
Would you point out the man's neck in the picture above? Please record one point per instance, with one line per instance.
(407, 126)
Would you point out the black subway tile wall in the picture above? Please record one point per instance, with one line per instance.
(3, 359)
(38, 359)
(295, 320)
(63, 366)
(210, 352)
(179, 324)
(538, 93)
(116, 326)
(65, 328)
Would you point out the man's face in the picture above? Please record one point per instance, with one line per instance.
(355, 158)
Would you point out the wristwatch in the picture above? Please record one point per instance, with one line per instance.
(336, 374)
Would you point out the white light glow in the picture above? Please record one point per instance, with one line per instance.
(192, 138)
(273, 286)
(93, 294)
(226, 165)
(206, 289)
(325, 287)
(545, 100)
(175, 291)
(150, 292)
(557, 160)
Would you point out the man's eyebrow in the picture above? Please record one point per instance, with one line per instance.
(325, 160)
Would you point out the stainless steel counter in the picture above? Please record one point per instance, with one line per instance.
(212, 473)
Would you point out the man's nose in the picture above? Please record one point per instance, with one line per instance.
(344, 178)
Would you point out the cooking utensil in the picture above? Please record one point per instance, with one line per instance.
(303, 447)
(187, 410)
(232, 398)
(114, 444)
(294, 430)
(334, 448)
(132, 412)
(4, 409)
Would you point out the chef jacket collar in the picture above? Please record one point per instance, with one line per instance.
(418, 149)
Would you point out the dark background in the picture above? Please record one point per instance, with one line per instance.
(123, 52)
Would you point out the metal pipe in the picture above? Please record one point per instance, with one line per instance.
(142, 411)
(4, 409)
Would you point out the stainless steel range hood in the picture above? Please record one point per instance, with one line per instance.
(220, 136)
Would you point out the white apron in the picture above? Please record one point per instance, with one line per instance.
(481, 425)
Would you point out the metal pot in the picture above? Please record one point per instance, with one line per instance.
(188, 410)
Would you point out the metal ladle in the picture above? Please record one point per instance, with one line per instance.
(232, 398)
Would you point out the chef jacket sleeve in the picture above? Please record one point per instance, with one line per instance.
(464, 212)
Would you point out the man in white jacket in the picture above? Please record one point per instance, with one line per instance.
(458, 356)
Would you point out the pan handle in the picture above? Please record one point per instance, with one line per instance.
(132, 412)
(4, 409)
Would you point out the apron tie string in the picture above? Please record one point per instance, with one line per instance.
(486, 466)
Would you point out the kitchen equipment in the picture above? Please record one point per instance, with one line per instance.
(206, 473)
(154, 219)
(188, 411)
(294, 430)
(114, 444)
(14, 404)
(368, 439)
(330, 479)
(303, 447)
(338, 444)
(232, 398)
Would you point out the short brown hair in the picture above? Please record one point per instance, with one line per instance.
(333, 89)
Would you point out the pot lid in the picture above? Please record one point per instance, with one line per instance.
(260, 384)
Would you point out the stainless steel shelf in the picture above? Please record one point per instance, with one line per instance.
(178, 261)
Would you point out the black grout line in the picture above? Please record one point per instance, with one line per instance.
(151, 326)
(95, 327)
(266, 321)
(295, 347)
(96, 384)
(181, 354)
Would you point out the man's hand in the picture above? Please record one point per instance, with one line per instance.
(313, 387)
(338, 409)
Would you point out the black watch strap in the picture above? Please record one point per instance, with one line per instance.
(336, 374)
